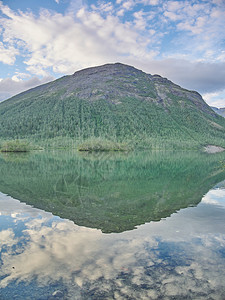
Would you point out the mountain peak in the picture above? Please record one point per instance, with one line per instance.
(110, 68)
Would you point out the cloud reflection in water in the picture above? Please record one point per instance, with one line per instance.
(182, 256)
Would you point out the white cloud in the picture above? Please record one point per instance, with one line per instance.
(8, 54)
(215, 197)
(12, 86)
(216, 99)
(140, 20)
(78, 257)
(104, 7)
(174, 5)
(10, 206)
(172, 16)
(153, 2)
(201, 25)
(20, 76)
(150, 2)
(88, 36)
(8, 237)
(120, 13)
(128, 4)
(152, 31)
(195, 28)
(65, 44)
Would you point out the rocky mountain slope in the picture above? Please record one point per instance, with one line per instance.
(113, 101)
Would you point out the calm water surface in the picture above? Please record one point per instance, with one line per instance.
(125, 226)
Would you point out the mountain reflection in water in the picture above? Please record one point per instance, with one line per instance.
(108, 191)
(181, 256)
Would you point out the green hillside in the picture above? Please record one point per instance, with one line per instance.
(116, 102)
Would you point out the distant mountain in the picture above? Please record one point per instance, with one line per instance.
(219, 111)
(112, 101)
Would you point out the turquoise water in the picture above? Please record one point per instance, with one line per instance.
(162, 237)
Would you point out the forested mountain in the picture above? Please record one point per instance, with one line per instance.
(112, 101)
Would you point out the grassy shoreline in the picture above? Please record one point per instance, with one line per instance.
(102, 144)
(18, 146)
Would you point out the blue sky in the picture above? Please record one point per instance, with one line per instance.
(45, 39)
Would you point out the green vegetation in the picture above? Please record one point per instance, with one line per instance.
(112, 191)
(15, 146)
(144, 122)
(98, 144)
(117, 105)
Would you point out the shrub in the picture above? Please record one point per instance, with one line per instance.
(100, 144)
(15, 146)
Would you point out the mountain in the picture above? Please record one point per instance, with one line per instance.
(219, 111)
(116, 102)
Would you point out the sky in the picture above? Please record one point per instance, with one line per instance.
(41, 40)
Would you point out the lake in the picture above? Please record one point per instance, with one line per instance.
(145, 225)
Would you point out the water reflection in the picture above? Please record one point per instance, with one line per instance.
(114, 193)
(177, 257)
(181, 257)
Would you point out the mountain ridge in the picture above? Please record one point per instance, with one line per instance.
(111, 101)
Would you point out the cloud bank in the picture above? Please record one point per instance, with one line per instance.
(12, 86)
(162, 259)
(181, 40)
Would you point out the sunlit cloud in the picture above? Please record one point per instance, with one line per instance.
(8, 54)
(7, 237)
(215, 197)
(78, 257)
(216, 99)
(150, 33)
